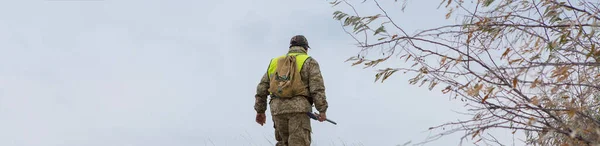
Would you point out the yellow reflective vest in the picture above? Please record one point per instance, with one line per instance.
(300, 59)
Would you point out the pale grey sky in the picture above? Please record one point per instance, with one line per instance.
(184, 73)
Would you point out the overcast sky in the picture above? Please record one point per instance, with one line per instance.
(184, 73)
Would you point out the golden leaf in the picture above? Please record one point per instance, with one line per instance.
(554, 90)
(560, 71)
(358, 62)
(414, 64)
(432, 85)
(443, 60)
(515, 82)
(473, 91)
(478, 87)
(530, 122)
(447, 89)
(423, 82)
(505, 53)
(562, 78)
(485, 98)
(513, 61)
(535, 100)
(490, 90)
(534, 84)
(506, 17)
(571, 113)
(476, 133)
(449, 13)
(469, 37)
(388, 74)
(377, 76)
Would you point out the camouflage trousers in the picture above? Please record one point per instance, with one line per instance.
(292, 129)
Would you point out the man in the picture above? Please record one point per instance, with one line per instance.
(291, 123)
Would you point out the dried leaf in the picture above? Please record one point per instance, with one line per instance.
(447, 89)
(351, 58)
(515, 60)
(515, 82)
(476, 133)
(423, 82)
(475, 90)
(449, 13)
(531, 121)
(388, 74)
(358, 62)
(508, 15)
(377, 76)
(535, 100)
(477, 141)
(571, 113)
(505, 53)
(443, 60)
(432, 85)
(534, 84)
(554, 90)
(402, 56)
(469, 37)
(485, 98)
(490, 90)
(414, 64)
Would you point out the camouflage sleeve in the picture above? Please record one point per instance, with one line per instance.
(317, 86)
(262, 91)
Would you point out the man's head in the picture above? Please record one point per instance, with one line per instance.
(299, 40)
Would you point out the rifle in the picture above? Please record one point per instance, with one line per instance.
(314, 117)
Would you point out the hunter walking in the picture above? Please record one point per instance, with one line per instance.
(294, 83)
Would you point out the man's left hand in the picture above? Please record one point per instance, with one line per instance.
(261, 118)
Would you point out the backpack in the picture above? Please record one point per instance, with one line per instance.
(284, 76)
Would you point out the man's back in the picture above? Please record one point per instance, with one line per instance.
(291, 123)
(311, 77)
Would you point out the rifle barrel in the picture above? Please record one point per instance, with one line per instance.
(332, 122)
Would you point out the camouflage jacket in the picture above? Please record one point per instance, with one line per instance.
(310, 75)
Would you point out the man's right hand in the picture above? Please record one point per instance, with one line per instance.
(322, 117)
(261, 118)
